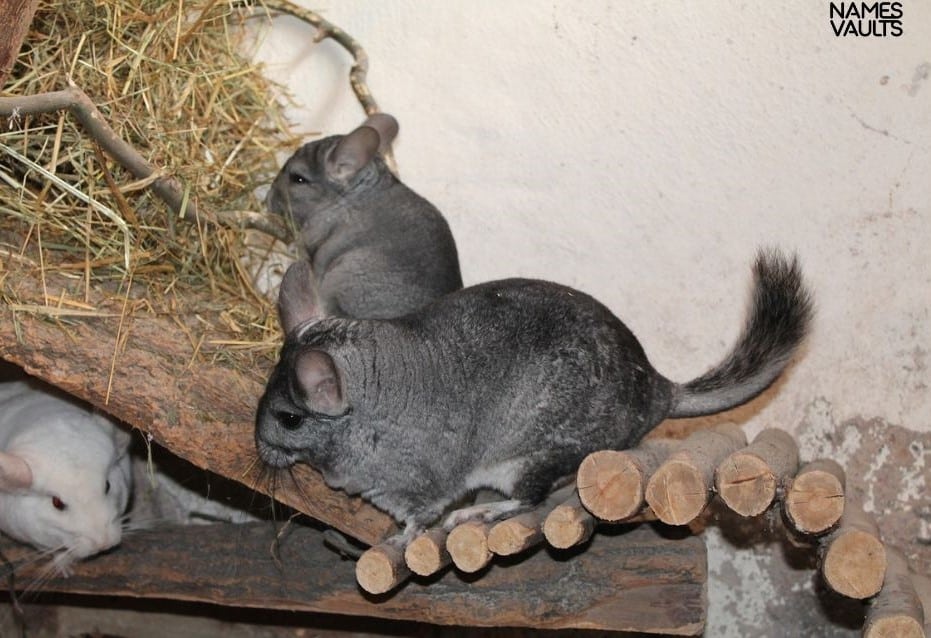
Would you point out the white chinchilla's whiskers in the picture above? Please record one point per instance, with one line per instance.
(59, 565)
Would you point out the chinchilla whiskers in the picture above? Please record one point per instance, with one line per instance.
(59, 565)
(300, 489)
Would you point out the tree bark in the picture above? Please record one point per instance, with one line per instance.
(144, 369)
(15, 18)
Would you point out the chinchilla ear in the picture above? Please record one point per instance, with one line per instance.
(15, 473)
(297, 297)
(319, 381)
(352, 153)
(386, 127)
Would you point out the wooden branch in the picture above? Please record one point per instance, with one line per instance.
(382, 568)
(201, 412)
(516, 534)
(681, 488)
(15, 18)
(569, 524)
(167, 188)
(814, 499)
(896, 612)
(326, 29)
(747, 480)
(524, 531)
(853, 560)
(426, 555)
(360, 67)
(612, 483)
(467, 545)
(922, 585)
(637, 581)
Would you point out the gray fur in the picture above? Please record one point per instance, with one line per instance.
(506, 385)
(378, 250)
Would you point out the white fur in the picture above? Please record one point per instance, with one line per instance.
(72, 453)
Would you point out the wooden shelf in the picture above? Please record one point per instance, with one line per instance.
(631, 580)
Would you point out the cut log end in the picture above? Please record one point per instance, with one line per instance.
(380, 569)
(515, 535)
(426, 554)
(467, 545)
(568, 525)
(815, 499)
(897, 609)
(611, 485)
(896, 627)
(746, 483)
(677, 493)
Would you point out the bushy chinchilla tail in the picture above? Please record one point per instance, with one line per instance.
(779, 317)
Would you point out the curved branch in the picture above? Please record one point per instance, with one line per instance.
(326, 29)
(359, 70)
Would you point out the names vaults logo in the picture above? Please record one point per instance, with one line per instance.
(864, 19)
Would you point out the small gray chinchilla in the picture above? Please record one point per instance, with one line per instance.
(506, 385)
(377, 249)
(64, 473)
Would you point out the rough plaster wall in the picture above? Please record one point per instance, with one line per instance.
(642, 152)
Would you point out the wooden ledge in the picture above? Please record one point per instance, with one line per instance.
(201, 412)
(630, 580)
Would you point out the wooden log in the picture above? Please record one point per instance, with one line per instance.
(15, 18)
(747, 479)
(156, 375)
(681, 488)
(636, 581)
(814, 499)
(381, 568)
(426, 554)
(853, 559)
(516, 534)
(568, 524)
(922, 585)
(612, 483)
(467, 545)
(896, 611)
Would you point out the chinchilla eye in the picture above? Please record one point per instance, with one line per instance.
(297, 178)
(106, 488)
(59, 504)
(289, 420)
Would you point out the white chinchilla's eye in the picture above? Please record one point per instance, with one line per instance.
(106, 488)
(59, 504)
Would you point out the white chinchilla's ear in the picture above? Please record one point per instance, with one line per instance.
(15, 473)
(352, 154)
(317, 376)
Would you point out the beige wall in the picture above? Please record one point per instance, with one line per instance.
(642, 151)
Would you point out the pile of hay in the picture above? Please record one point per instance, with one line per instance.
(173, 79)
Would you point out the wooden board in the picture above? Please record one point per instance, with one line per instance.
(630, 580)
(202, 412)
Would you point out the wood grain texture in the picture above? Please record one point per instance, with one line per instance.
(203, 412)
(634, 580)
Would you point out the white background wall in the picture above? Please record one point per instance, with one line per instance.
(642, 151)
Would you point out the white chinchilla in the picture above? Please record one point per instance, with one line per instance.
(64, 473)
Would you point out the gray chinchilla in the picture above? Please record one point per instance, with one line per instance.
(377, 249)
(506, 385)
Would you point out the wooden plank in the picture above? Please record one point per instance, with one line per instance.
(203, 412)
(633, 579)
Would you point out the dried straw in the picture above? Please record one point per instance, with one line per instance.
(173, 79)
